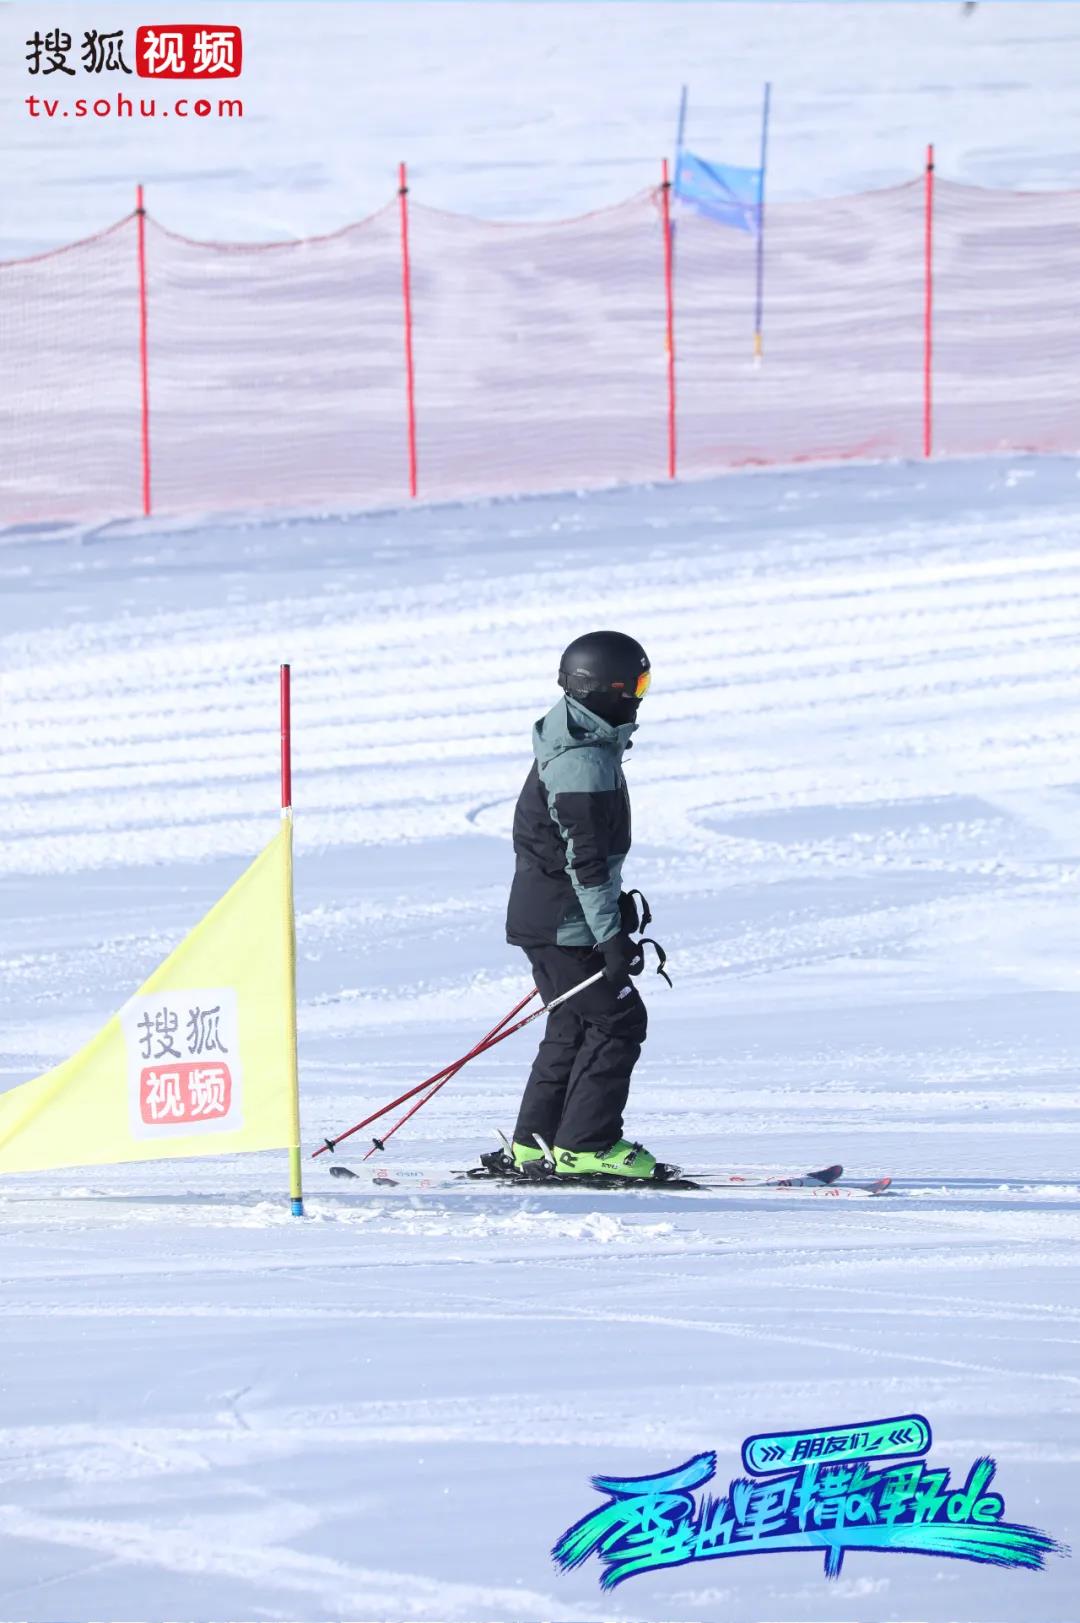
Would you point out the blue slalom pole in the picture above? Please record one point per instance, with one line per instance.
(680, 134)
(759, 300)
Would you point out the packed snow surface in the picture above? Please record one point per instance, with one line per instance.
(856, 812)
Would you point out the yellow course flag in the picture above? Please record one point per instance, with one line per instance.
(201, 1061)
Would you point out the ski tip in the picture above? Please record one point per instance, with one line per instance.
(827, 1175)
(342, 1172)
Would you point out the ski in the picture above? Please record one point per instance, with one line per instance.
(828, 1181)
(826, 1175)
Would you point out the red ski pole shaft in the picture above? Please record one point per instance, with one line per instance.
(380, 1143)
(442, 1080)
(402, 1098)
(438, 1076)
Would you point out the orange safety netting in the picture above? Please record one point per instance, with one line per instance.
(277, 376)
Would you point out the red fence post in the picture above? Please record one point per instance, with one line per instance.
(928, 312)
(669, 293)
(406, 290)
(144, 361)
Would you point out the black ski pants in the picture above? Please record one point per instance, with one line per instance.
(576, 1092)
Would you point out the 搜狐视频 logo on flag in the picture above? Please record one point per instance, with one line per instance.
(183, 1063)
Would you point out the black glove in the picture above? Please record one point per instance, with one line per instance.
(622, 957)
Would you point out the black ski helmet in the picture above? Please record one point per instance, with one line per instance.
(607, 672)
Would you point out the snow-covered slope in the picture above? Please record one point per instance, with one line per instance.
(855, 795)
(526, 109)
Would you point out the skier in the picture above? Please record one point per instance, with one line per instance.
(566, 909)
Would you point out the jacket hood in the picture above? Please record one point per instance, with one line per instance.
(568, 725)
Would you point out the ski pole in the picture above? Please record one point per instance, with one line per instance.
(444, 1078)
(494, 1036)
(426, 1098)
(489, 1041)
(410, 1093)
(546, 1008)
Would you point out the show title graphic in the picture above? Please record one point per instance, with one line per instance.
(821, 1490)
(162, 51)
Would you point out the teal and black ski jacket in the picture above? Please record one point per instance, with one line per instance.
(571, 832)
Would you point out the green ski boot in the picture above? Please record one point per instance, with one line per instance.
(623, 1160)
(526, 1154)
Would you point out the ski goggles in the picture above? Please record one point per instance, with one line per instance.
(642, 685)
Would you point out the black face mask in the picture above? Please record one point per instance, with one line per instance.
(612, 707)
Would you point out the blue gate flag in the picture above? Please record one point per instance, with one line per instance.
(722, 192)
